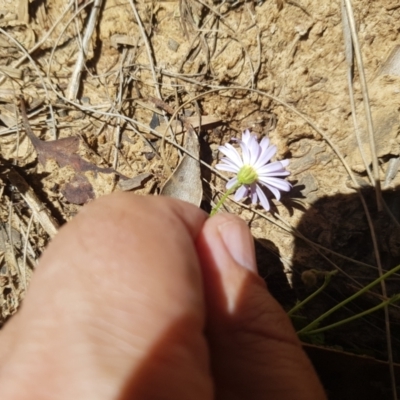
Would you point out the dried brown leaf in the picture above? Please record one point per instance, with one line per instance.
(79, 190)
(63, 151)
(185, 182)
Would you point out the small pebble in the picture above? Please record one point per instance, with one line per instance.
(155, 121)
(149, 155)
(173, 45)
(85, 100)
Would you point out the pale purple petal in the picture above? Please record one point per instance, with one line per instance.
(227, 167)
(271, 168)
(274, 191)
(231, 153)
(231, 183)
(245, 152)
(246, 136)
(253, 193)
(226, 160)
(264, 143)
(279, 184)
(265, 157)
(273, 174)
(241, 192)
(255, 150)
(263, 198)
(285, 162)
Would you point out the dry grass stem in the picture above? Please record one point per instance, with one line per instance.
(77, 72)
(39, 210)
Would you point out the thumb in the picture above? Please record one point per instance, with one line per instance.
(255, 352)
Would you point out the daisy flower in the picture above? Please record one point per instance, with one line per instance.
(253, 170)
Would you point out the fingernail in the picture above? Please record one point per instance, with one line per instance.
(239, 242)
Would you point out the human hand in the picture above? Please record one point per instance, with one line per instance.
(147, 298)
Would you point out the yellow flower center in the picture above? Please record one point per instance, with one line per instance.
(247, 175)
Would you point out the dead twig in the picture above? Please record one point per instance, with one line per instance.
(367, 108)
(26, 244)
(76, 74)
(348, 45)
(21, 271)
(39, 210)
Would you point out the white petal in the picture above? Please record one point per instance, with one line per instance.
(232, 182)
(276, 182)
(255, 150)
(285, 162)
(273, 174)
(226, 160)
(265, 156)
(253, 193)
(264, 143)
(269, 168)
(231, 153)
(227, 167)
(274, 191)
(246, 135)
(245, 152)
(240, 193)
(263, 198)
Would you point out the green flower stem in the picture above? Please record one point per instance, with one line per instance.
(354, 317)
(223, 198)
(316, 322)
(312, 295)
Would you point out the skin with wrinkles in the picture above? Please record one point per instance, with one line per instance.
(148, 298)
